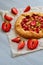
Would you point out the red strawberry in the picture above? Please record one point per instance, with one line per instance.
(25, 27)
(6, 26)
(25, 20)
(35, 16)
(33, 23)
(14, 11)
(7, 17)
(37, 30)
(22, 23)
(32, 44)
(41, 26)
(27, 9)
(21, 45)
(40, 18)
(41, 21)
(27, 16)
(17, 39)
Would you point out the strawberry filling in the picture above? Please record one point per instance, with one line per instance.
(41, 26)
(35, 16)
(28, 17)
(34, 24)
(41, 21)
(37, 30)
(25, 20)
(26, 27)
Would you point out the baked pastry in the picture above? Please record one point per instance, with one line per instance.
(30, 25)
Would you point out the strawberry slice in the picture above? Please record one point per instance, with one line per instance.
(25, 27)
(35, 16)
(7, 17)
(17, 39)
(14, 11)
(27, 16)
(25, 20)
(41, 21)
(27, 9)
(22, 23)
(40, 18)
(37, 30)
(41, 26)
(6, 26)
(21, 45)
(32, 44)
(33, 23)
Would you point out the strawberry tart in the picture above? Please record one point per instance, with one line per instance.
(30, 25)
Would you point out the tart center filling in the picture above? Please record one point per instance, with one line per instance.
(32, 23)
